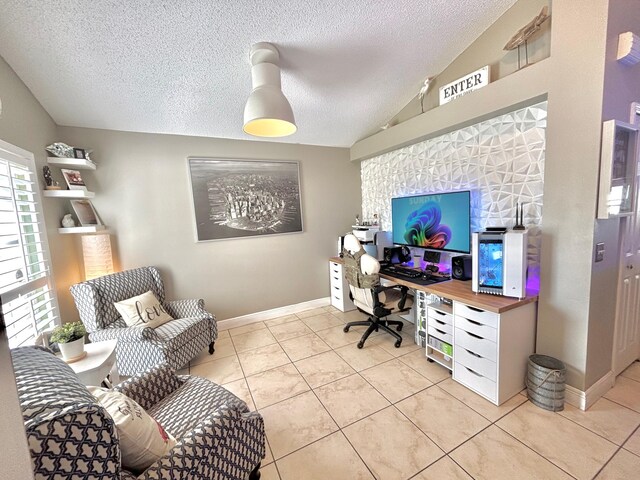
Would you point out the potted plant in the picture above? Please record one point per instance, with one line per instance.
(70, 339)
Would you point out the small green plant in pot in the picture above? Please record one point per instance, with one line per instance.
(70, 339)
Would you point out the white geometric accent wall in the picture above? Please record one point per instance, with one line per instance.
(500, 160)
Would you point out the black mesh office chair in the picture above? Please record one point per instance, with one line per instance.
(361, 271)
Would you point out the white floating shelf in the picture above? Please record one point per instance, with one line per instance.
(79, 163)
(89, 229)
(68, 194)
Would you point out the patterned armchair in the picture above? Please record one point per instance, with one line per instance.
(174, 343)
(71, 436)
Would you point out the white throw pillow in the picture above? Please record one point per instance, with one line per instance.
(144, 310)
(142, 438)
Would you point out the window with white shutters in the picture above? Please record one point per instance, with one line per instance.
(28, 296)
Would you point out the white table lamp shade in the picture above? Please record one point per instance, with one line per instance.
(96, 252)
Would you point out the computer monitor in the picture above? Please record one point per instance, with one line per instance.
(437, 221)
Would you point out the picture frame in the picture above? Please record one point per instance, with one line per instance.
(87, 215)
(239, 198)
(618, 170)
(73, 179)
(79, 153)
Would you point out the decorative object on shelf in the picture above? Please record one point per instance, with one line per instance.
(424, 90)
(79, 153)
(96, 254)
(357, 220)
(87, 155)
(60, 149)
(68, 221)
(618, 160)
(267, 112)
(523, 35)
(50, 184)
(463, 85)
(519, 221)
(628, 48)
(85, 212)
(244, 198)
(73, 179)
(70, 340)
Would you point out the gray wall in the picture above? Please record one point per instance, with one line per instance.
(142, 194)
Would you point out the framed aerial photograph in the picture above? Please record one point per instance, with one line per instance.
(244, 198)
(73, 179)
(85, 212)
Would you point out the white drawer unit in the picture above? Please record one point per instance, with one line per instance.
(339, 288)
(491, 349)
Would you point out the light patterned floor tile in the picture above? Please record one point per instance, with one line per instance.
(625, 392)
(395, 380)
(632, 371)
(446, 420)
(322, 321)
(363, 358)
(351, 316)
(608, 419)
(387, 343)
(269, 472)
(418, 361)
(220, 371)
(311, 313)
(295, 423)
(289, 330)
(623, 466)
(484, 407)
(324, 368)
(268, 456)
(350, 399)
(335, 337)
(254, 339)
(223, 348)
(276, 385)
(391, 446)
(250, 327)
(304, 346)
(558, 440)
(329, 458)
(633, 444)
(240, 389)
(280, 320)
(496, 455)
(443, 469)
(262, 358)
(223, 334)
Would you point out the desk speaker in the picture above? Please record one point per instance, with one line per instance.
(461, 267)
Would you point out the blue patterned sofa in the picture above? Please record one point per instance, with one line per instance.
(72, 437)
(138, 349)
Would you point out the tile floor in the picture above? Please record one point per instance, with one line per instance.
(334, 412)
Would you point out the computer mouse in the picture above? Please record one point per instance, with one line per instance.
(425, 276)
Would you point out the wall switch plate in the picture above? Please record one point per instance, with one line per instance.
(599, 252)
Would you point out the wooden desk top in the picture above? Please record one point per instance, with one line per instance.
(461, 292)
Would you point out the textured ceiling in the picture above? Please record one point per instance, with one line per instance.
(182, 67)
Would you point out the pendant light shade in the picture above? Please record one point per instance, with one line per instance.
(267, 112)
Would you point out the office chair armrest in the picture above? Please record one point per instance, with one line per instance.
(403, 290)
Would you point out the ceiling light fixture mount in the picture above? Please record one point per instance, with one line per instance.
(267, 112)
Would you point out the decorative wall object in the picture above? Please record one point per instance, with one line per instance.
(244, 198)
(96, 255)
(500, 160)
(85, 212)
(73, 179)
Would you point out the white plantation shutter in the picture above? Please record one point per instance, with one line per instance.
(28, 297)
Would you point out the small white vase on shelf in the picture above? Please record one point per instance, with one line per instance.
(72, 351)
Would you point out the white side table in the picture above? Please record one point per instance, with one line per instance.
(99, 362)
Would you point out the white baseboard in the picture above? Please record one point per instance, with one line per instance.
(583, 400)
(273, 313)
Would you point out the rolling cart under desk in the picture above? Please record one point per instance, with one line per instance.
(485, 339)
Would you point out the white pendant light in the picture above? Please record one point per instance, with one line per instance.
(267, 112)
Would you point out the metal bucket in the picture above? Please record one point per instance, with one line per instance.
(545, 382)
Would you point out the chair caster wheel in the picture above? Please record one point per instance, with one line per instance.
(398, 343)
(345, 329)
(429, 360)
(360, 344)
(399, 328)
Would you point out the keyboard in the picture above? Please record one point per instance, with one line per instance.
(396, 270)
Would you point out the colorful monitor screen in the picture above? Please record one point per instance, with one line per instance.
(490, 266)
(439, 221)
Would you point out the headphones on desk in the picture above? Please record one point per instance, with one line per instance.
(397, 254)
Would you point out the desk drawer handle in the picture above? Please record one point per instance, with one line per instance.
(439, 321)
(474, 354)
(439, 331)
(439, 313)
(337, 288)
(474, 335)
(474, 322)
(475, 309)
(474, 372)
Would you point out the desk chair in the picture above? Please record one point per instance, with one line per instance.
(361, 271)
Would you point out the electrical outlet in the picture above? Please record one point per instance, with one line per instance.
(599, 252)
